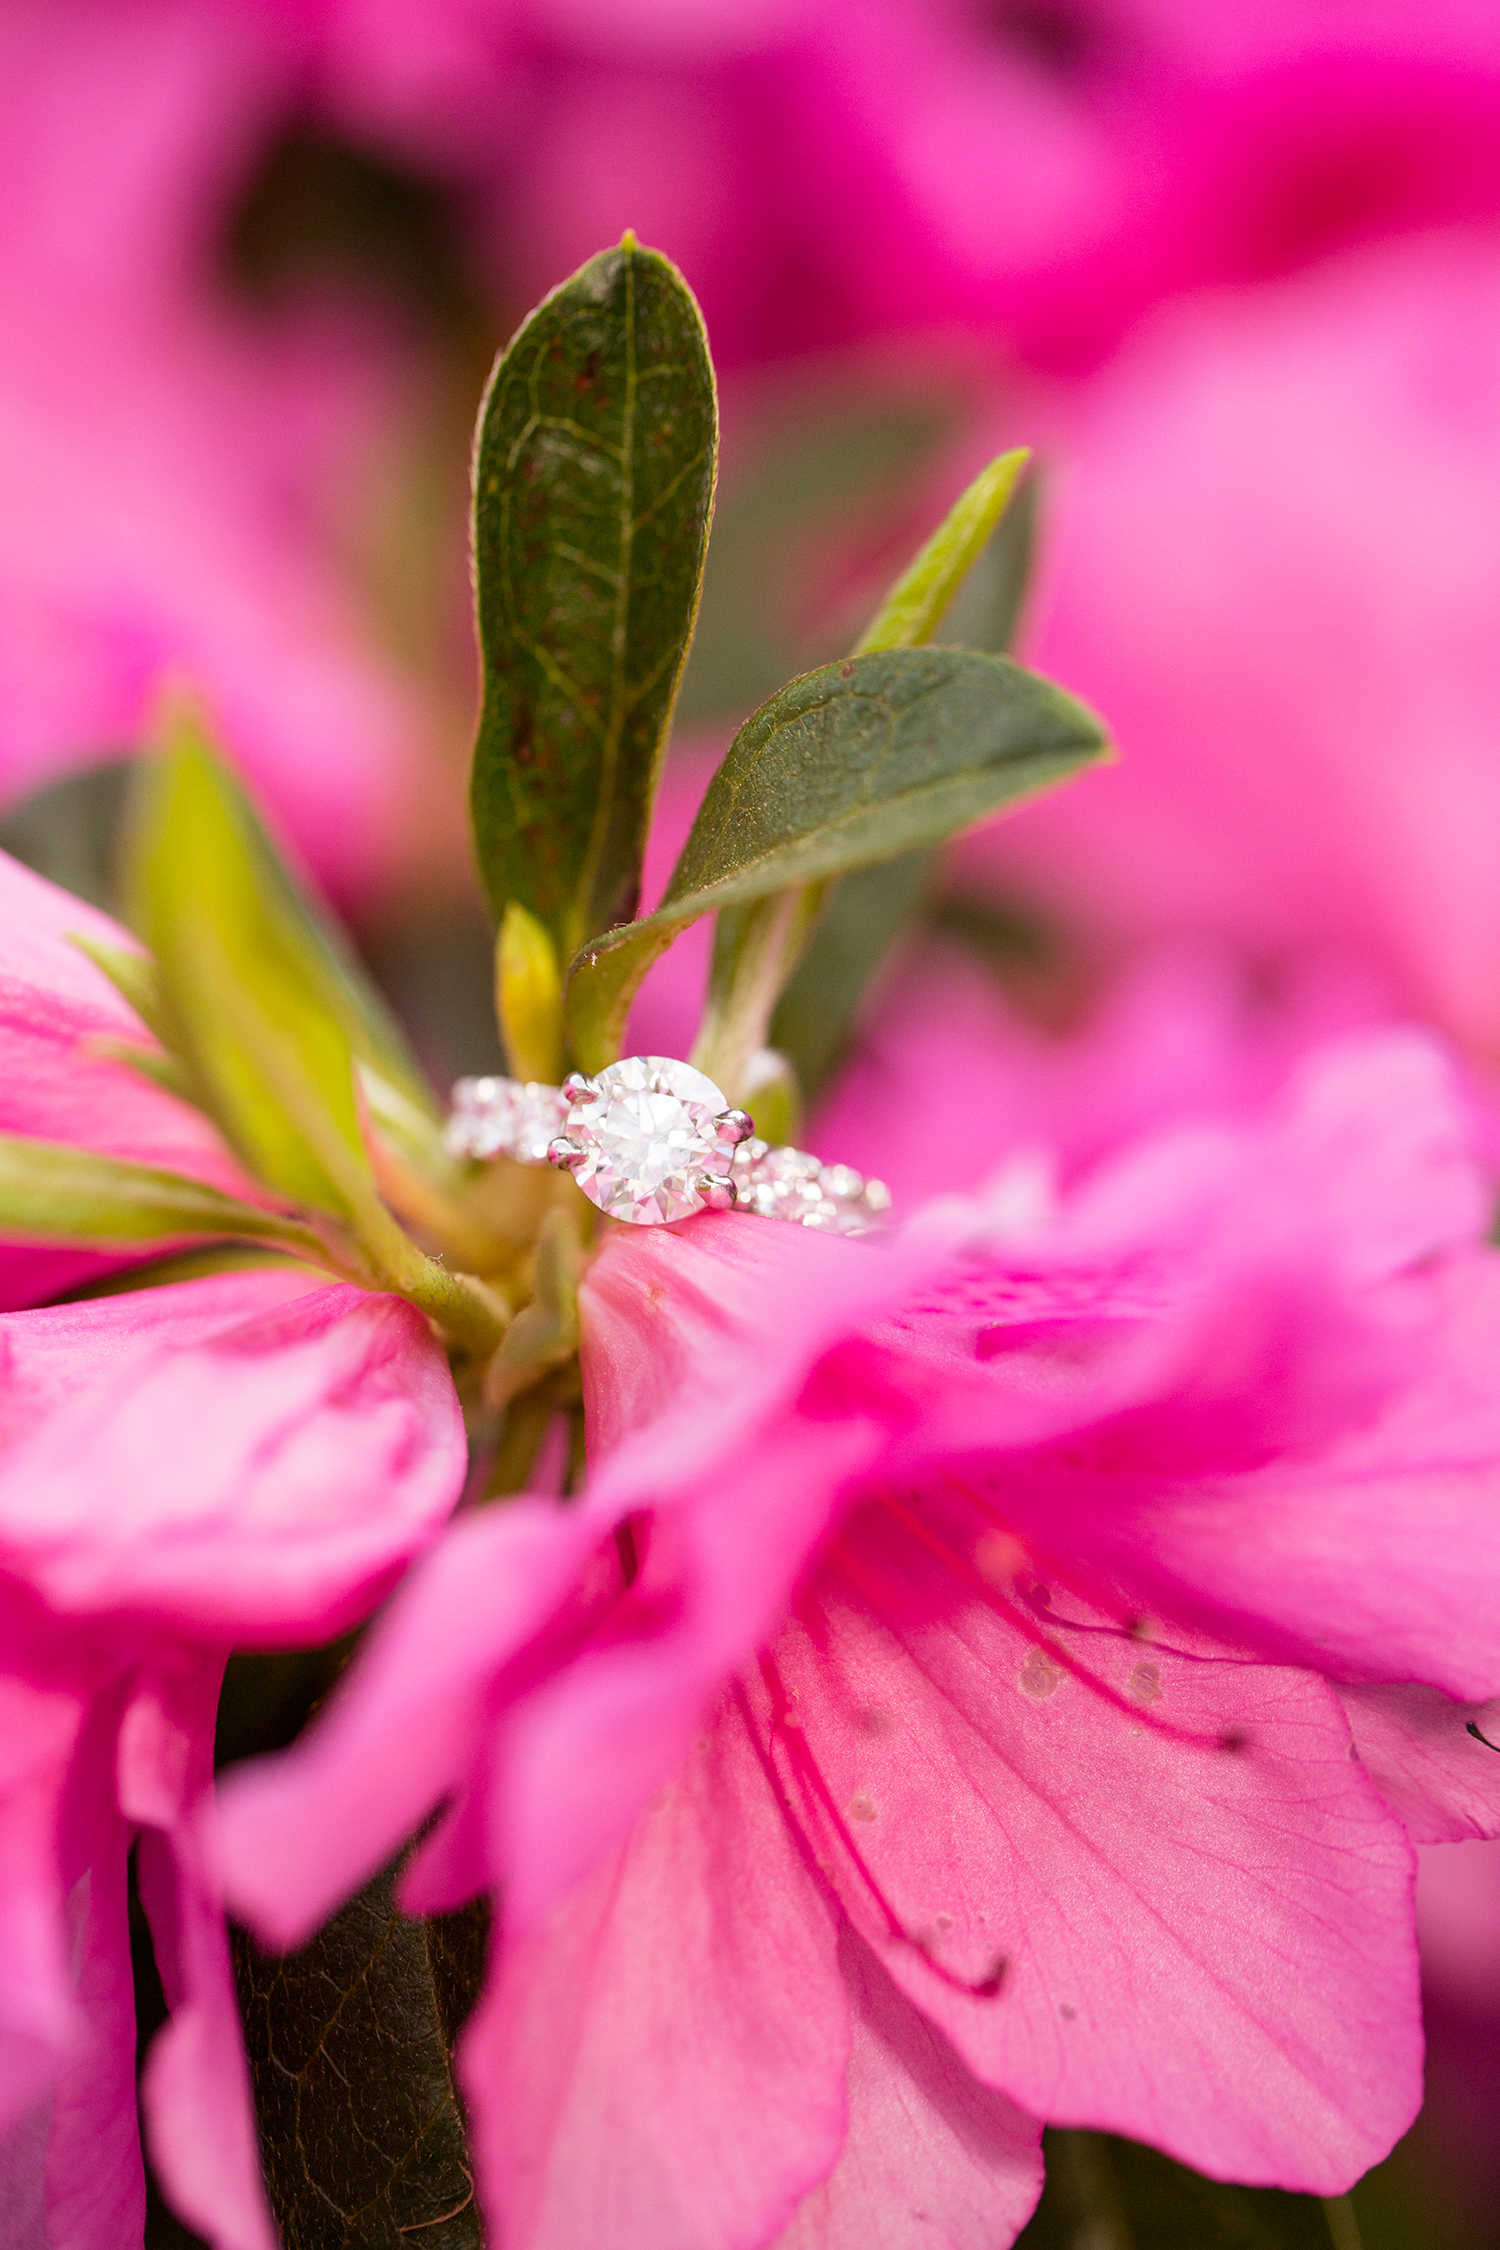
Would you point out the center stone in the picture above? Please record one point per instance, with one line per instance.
(649, 1137)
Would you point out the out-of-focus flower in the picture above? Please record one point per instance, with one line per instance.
(244, 1459)
(1274, 549)
(189, 483)
(930, 1707)
(864, 166)
(177, 473)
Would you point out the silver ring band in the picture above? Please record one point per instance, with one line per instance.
(650, 1140)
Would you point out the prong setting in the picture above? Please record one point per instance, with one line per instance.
(717, 1194)
(734, 1126)
(576, 1088)
(565, 1154)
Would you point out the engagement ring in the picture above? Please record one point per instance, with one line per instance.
(650, 1140)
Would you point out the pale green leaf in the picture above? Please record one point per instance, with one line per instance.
(53, 1192)
(918, 602)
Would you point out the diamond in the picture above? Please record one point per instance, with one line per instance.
(651, 1150)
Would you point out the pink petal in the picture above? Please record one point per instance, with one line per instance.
(1458, 1925)
(662, 2066)
(1170, 1905)
(1423, 1753)
(1176, 563)
(67, 2002)
(41, 1720)
(95, 2188)
(1371, 1555)
(930, 2156)
(578, 1756)
(246, 1455)
(196, 2086)
(297, 1833)
(52, 1002)
(949, 1077)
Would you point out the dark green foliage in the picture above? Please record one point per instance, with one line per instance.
(350, 2043)
(861, 921)
(1107, 2194)
(593, 485)
(848, 766)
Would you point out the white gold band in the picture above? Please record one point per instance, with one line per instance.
(651, 1140)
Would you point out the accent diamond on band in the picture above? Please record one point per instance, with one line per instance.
(650, 1140)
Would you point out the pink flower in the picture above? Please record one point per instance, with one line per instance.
(929, 1721)
(176, 469)
(59, 1015)
(878, 166)
(1273, 551)
(242, 1460)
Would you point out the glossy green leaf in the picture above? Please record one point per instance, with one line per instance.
(593, 486)
(52, 1192)
(846, 767)
(922, 596)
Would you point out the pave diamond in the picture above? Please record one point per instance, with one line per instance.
(648, 1130)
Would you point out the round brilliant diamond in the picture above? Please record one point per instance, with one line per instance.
(648, 1130)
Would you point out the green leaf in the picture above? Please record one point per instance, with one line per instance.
(350, 2042)
(52, 1192)
(1111, 2194)
(921, 597)
(528, 997)
(756, 947)
(249, 1006)
(829, 462)
(861, 921)
(986, 610)
(593, 486)
(269, 1061)
(846, 767)
(544, 1334)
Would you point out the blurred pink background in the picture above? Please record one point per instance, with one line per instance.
(1233, 266)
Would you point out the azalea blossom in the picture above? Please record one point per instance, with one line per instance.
(177, 465)
(1303, 620)
(944, 1710)
(241, 1460)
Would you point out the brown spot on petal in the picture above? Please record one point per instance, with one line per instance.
(1233, 1739)
(873, 1719)
(1067, 2011)
(993, 1980)
(1145, 1683)
(1040, 1677)
(861, 1808)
